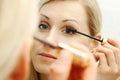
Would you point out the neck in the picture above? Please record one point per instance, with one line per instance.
(44, 77)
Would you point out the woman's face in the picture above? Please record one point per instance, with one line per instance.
(54, 18)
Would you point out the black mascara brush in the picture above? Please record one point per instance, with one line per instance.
(75, 31)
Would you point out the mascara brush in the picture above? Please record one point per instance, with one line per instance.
(75, 31)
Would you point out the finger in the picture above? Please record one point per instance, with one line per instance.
(117, 56)
(61, 68)
(102, 63)
(78, 73)
(112, 65)
(116, 52)
(94, 54)
(109, 55)
(114, 42)
(90, 69)
(102, 59)
(108, 45)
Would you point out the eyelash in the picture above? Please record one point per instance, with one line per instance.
(68, 31)
(44, 26)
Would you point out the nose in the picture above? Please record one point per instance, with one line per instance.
(53, 38)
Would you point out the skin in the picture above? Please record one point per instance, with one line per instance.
(109, 56)
(54, 32)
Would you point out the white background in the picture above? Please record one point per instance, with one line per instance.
(111, 18)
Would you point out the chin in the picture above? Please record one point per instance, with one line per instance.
(43, 69)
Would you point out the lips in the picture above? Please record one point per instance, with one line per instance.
(47, 55)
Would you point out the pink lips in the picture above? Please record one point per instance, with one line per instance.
(47, 55)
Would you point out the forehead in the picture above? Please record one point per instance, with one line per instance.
(64, 9)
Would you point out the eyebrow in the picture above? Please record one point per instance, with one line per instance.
(45, 16)
(66, 20)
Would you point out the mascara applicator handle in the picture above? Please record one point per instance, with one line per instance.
(104, 41)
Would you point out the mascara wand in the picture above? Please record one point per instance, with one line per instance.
(75, 31)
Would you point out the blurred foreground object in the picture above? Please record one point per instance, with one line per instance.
(17, 21)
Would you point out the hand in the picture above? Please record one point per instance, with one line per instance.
(63, 69)
(109, 60)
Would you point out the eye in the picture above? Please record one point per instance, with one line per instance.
(43, 27)
(68, 31)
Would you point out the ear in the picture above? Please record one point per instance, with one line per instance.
(96, 43)
(22, 69)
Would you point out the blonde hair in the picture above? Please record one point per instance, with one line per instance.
(92, 10)
(94, 21)
(17, 21)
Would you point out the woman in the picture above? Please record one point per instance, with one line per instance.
(16, 29)
(17, 21)
(55, 17)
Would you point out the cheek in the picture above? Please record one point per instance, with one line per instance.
(36, 46)
(87, 42)
(82, 40)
